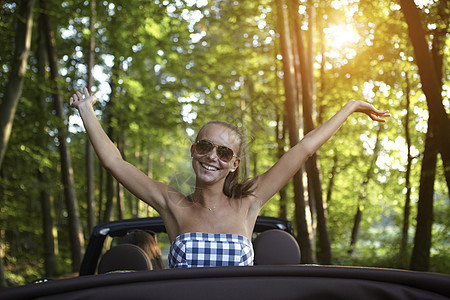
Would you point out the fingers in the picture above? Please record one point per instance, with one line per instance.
(384, 113)
(377, 115)
(75, 98)
(78, 97)
(375, 118)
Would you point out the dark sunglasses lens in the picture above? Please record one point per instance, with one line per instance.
(203, 147)
(224, 153)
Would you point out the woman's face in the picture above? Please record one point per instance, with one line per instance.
(209, 167)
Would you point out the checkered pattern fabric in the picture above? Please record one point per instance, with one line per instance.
(196, 249)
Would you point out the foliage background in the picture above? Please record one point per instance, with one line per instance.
(174, 65)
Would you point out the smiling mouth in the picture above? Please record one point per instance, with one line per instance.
(209, 168)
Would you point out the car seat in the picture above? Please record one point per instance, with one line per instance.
(124, 257)
(276, 247)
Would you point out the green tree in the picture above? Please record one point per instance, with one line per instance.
(15, 83)
(75, 230)
(293, 124)
(17, 73)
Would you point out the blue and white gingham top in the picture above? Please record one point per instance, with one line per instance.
(197, 249)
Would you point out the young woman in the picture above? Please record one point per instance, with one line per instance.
(213, 225)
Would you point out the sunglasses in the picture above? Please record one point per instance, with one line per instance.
(204, 147)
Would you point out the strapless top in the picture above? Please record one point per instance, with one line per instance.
(197, 249)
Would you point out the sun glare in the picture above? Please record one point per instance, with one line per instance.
(339, 36)
(340, 42)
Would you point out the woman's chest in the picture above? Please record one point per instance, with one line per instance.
(215, 220)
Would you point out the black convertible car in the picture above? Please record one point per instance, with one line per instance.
(123, 272)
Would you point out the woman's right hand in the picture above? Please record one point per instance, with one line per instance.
(78, 99)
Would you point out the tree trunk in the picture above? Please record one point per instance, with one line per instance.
(311, 46)
(296, 43)
(438, 135)
(293, 127)
(363, 194)
(322, 105)
(280, 138)
(292, 7)
(150, 175)
(50, 230)
(108, 213)
(324, 251)
(407, 208)
(120, 191)
(280, 135)
(101, 188)
(16, 76)
(110, 189)
(307, 82)
(356, 225)
(133, 203)
(3, 283)
(420, 257)
(76, 235)
(90, 199)
(47, 203)
(245, 163)
(430, 77)
(312, 168)
(332, 176)
(120, 201)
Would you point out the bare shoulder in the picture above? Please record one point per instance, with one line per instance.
(169, 196)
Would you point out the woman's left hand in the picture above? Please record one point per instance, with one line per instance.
(371, 111)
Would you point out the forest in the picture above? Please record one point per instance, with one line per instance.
(376, 194)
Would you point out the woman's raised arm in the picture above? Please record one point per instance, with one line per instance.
(132, 178)
(269, 183)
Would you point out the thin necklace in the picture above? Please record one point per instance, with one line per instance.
(209, 208)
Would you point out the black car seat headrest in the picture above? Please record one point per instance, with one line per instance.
(276, 247)
(124, 257)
